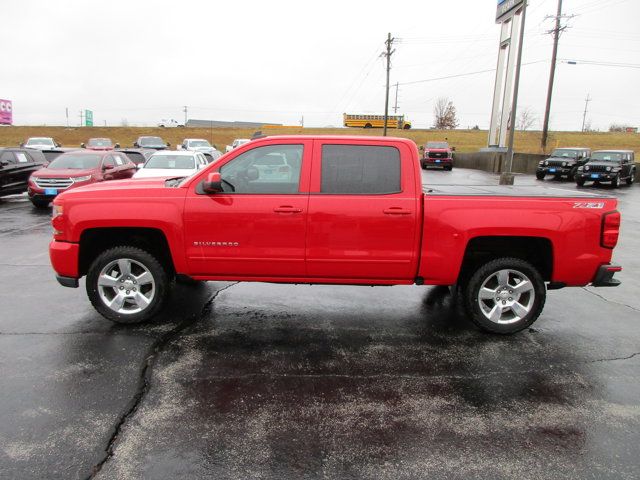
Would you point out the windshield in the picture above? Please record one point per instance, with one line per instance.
(562, 153)
(39, 141)
(149, 141)
(171, 162)
(99, 142)
(75, 161)
(607, 156)
(437, 145)
(199, 143)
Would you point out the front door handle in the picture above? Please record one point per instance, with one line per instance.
(396, 211)
(287, 209)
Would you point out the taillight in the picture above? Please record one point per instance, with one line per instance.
(610, 229)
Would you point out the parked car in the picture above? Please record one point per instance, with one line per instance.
(438, 155)
(608, 166)
(99, 144)
(236, 143)
(16, 166)
(172, 164)
(40, 143)
(155, 143)
(563, 162)
(75, 169)
(201, 145)
(353, 211)
(170, 123)
(137, 155)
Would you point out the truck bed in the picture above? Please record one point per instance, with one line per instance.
(506, 191)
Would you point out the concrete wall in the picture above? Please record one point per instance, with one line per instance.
(493, 162)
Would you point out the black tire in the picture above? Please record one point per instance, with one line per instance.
(424, 167)
(40, 203)
(136, 257)
(407, 127)
(540, 176)
(631, 178)
(449, 169)
(531, 300)
(572, 174)
(615, 183)
(580, 183)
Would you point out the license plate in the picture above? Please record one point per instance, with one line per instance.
(50, 191)
(594, 175)
(437, 161)
(552, 170)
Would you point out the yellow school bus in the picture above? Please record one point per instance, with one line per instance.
(375, 121)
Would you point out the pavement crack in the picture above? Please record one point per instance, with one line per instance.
(144, 380)
(611, 301)
(613, 359)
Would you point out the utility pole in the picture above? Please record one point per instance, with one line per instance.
(584, 116)
(556, 36)
(66, 110)
(302, 121)
(395, 107)
(81, 117)
(387, 54)
(185, 115)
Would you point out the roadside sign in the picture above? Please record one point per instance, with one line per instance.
(6, 112)
(88, 118)
(506, 9)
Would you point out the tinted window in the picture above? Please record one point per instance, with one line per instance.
(136, 157)
(22, 157)
(269, 169)
(7, 157)
(360, 169)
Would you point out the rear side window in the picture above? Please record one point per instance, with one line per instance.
(7, 157)
(354, 169)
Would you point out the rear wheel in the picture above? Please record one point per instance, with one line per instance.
(615, 183)
(572, 174)
(127, 285)
(368, 125)
(505, 295)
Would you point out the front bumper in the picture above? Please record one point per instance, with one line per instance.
(596, 177)
(437, 162)
(604, 276)
(557, 171)
(64, 258)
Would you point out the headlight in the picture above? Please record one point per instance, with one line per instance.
(56, 210)
(608, 169)
(541, 162)
(580, 169)
(564, 164)
(546, 163)
(81, 179)
(587, 167)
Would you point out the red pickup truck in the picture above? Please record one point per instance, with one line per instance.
(333, 210)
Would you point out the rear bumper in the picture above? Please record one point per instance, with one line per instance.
(64, 259)
(604, 276)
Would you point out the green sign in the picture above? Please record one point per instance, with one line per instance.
(88, 118)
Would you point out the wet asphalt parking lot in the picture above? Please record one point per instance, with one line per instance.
(240, 380)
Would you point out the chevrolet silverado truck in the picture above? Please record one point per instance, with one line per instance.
(342, 210)
(563, 162)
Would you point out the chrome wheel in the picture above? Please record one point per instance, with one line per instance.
(506, 296)
(126, 286)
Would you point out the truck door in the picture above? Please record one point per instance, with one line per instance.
(256, 227)
(363, 211)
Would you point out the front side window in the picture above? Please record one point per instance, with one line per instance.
(354, 169)
(271, 169)
(7, 157)
(22, 158)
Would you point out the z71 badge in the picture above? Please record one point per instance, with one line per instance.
(588, 205)
(216, 244)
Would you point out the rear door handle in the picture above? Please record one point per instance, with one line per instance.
(396, 211)
(287, 209)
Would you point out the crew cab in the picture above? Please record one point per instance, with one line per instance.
(437, 154)
(351, 210)
(563, 162)
(610, 166)
(74, 169)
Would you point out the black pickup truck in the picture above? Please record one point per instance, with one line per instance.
(563, 162)
(16, 166)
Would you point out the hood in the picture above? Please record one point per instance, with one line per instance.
(100, 149)
(63, 172)
(163, 172)
(121, 188)
(561, 159)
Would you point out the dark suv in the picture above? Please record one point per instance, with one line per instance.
(563, 162)
(608, 166)
(16, 166)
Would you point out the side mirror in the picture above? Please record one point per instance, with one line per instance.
(453, 149)
(135, 145)
(22, 145)
(82, 145)
(59, 145)
(117, 145)
(213, 183)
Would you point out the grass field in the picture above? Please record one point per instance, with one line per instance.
(463, 140)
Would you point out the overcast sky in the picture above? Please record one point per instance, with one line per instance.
(276, 61)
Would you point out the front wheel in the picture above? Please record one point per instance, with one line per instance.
(40, 203)
(631, 178)
(127, 285)
(615, 183)
(505, 295)
(540, 176)
(580, 183)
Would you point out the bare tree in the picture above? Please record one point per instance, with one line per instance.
(526, 119)
(124, 122)
(445, 114)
